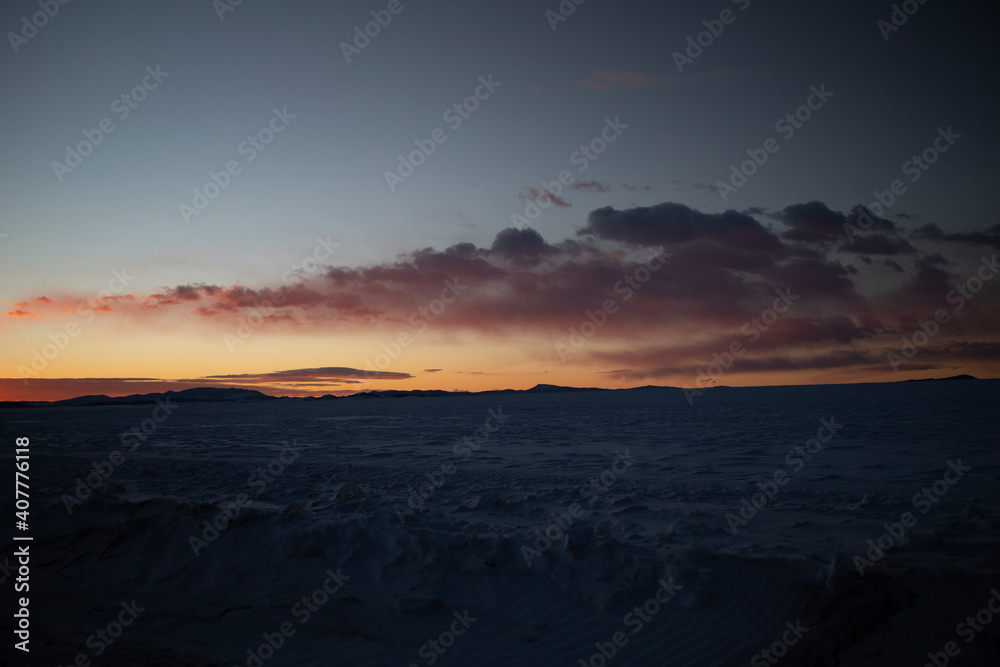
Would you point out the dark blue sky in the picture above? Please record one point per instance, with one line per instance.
(326, 173)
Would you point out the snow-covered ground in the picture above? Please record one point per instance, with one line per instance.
(852, 525)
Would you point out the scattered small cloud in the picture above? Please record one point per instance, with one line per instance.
(534, 194)
(591, 186)
(637, 188)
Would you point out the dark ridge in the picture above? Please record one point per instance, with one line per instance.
(964, 376)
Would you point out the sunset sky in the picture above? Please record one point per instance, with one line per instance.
(307, 270)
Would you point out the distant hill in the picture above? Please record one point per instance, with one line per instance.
(194, 395)
(234, 395)
(556, 389)
(948, 379)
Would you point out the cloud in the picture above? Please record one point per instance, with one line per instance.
(989, 237)
(57, 389)
(534, 194)
(637, 188)
(328, 374)
(672, 223)
(724, 268)
(877, 244)
(591, 186)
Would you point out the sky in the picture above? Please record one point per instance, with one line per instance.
(314, 198)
